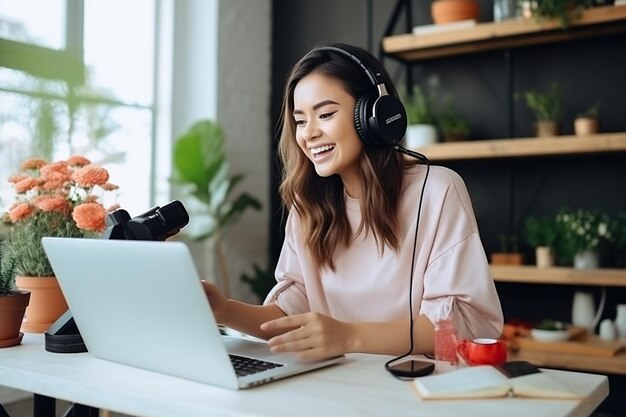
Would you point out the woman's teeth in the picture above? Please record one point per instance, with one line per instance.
(319, 149)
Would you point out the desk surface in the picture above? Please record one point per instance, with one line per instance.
(358, 387)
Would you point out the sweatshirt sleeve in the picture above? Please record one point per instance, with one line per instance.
(457, 280)
(459, 285)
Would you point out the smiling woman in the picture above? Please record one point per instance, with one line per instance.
(353, 248)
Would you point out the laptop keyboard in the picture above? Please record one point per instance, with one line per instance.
(248, 366)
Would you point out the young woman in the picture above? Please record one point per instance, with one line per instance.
(351, 254)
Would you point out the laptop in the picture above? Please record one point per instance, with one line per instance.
(141, 303)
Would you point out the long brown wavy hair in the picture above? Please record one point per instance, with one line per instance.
(320, 201)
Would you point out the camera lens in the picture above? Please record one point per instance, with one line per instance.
(158, 223)
(167, 220)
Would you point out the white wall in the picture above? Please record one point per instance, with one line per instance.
(222, 72)
(244, 59)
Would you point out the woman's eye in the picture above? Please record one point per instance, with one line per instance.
(326, 115)
(300, 122)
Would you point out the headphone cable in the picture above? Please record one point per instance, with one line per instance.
(424, 160)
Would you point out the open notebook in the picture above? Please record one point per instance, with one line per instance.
(519, 379)
(141, 303)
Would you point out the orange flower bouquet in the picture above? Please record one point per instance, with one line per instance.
(53, 199)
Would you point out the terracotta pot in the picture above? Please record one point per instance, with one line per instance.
(446, 11)
(506, 258)
(47, 302)
(585, 126)
(12, 308)
(546, 128)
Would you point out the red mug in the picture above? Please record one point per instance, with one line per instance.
(482, 351)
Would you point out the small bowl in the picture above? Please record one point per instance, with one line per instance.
(541, 335)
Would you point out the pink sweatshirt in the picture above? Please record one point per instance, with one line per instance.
(451, 278)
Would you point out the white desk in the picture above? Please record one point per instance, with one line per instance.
(358, 387)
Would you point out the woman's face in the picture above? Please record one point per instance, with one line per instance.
(325, 131)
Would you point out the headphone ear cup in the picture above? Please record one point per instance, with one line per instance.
(387, 121)
(362, 113)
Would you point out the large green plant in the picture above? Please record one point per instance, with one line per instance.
(201, 168)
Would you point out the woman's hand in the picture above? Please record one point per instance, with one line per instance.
(313, 335)
(216, 299)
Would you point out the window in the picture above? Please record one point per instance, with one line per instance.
(109, 117)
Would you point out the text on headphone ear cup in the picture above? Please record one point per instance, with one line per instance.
(388, 120)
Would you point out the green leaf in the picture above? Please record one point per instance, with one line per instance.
(198, 155)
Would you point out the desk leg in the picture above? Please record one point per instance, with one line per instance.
(43, 406)
(79, 410)
(46, 406)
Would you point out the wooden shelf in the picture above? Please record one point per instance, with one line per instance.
(502, 35)
(575, 362)
(559, 275)
(501, 148)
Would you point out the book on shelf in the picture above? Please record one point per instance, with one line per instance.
(518, 379)
(443, 27)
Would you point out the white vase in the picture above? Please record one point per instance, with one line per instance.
(620, 321)
(608, 330)
(584, 313)
(418, 136)
(587, 259)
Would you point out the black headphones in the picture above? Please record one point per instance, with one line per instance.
(380, 120)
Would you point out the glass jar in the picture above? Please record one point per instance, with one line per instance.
(445, 342)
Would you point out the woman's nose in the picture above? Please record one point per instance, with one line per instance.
(311, 131)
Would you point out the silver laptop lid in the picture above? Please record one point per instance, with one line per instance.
(141, 303)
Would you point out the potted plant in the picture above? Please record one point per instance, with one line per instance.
(565, 11)
(13, 302)
(52, 199)
(541, 234)
(453, 127)
(547, 109)
(201, 169)
(421, 129)
(587, 123)
(583, 234)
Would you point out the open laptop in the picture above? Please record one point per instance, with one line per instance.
(141, 303)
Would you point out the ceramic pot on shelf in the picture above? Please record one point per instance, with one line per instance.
(585, 126)
(587, 259)
(546, 129)
(420, 135)
(544, 257)
(447, 11)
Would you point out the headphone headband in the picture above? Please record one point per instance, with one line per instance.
(363, 61)
(380, 118)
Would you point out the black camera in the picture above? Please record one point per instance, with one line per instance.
(158, 223)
